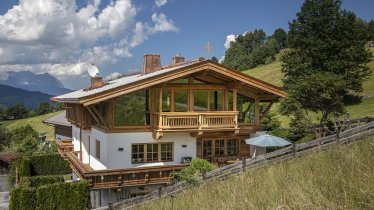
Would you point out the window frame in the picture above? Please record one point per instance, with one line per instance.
(158, 152)
(97, 149)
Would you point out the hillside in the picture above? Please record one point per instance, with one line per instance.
(31, 99)
(35, 122)
(272, 74)
(339, 178)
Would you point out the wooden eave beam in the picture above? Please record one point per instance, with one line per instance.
(98, 114)
(89, 109)
(266, 110)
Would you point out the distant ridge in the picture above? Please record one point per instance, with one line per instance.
(31, 99)
(27, 80)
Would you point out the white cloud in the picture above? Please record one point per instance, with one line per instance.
(229, 39)
(52, 35)
(160, 3)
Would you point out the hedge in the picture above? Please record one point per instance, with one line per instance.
(37, 181)
(75, 195)
(51, 164)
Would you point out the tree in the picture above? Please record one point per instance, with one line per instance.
(19, 111)
(326, 61)
(24, 140)
(214, 59)
(371, 29)
(44, 108)
(237, 56)
(4, 139)
(281, 37)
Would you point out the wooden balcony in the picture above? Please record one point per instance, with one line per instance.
(64, 146)
(117, 178)
(194, 121)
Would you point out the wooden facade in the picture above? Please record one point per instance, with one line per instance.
(201, 99)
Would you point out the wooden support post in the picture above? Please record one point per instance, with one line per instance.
(244, 164)
(257, 111)
(234, 99)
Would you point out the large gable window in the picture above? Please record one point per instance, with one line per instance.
(130, 109)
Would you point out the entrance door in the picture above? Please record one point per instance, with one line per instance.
(207, 150)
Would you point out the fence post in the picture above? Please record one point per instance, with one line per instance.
(338, 136)
(159, 189)
(366, 119)
(294, 149)
(244, 163)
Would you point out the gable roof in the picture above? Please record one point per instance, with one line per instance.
(58, 119)
(128, 84)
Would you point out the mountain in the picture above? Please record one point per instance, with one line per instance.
(27, 80)
(11, 95)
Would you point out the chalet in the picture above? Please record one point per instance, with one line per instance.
(61, 125)
(130, 133)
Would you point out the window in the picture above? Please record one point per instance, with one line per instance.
(167, 152)
(152, 152)
(200, 98)
(216, 100)
(97, 152)
(232, 147)
(207, 150)
(130, 109)
(137, 153)
(219, 147)
(181, 101)
(143, 153)
(246, 108)
(166, 97)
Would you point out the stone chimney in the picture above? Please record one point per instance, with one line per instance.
(151, 63)
(177, 59)
(96, 82)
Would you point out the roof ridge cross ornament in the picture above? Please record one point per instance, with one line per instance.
(208, 47)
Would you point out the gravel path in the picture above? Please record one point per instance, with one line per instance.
(4, 193)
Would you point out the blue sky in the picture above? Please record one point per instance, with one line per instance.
(59, 38)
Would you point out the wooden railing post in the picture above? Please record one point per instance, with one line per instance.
(244, 164)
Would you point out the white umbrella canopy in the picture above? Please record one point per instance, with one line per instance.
(267, 141)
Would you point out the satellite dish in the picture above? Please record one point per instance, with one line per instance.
(93, 70)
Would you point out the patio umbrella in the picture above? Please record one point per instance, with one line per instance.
(267, 141)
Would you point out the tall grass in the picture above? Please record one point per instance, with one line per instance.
(339, 178)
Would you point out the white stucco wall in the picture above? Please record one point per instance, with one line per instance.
(76, 137)
(111, 157)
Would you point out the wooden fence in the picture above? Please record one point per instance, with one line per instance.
(295, 150)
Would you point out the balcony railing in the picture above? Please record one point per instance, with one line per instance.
(116, 178)
(64, 146)
(199, 121)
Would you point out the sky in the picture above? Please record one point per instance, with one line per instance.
(62, 37)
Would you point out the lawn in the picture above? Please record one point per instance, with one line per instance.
(339, 178)
(35, 122)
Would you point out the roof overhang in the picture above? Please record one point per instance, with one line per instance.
(273, 92)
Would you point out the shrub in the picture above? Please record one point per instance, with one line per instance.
(74, 195)
(24, 167)
(37, 181)
(196, 168)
